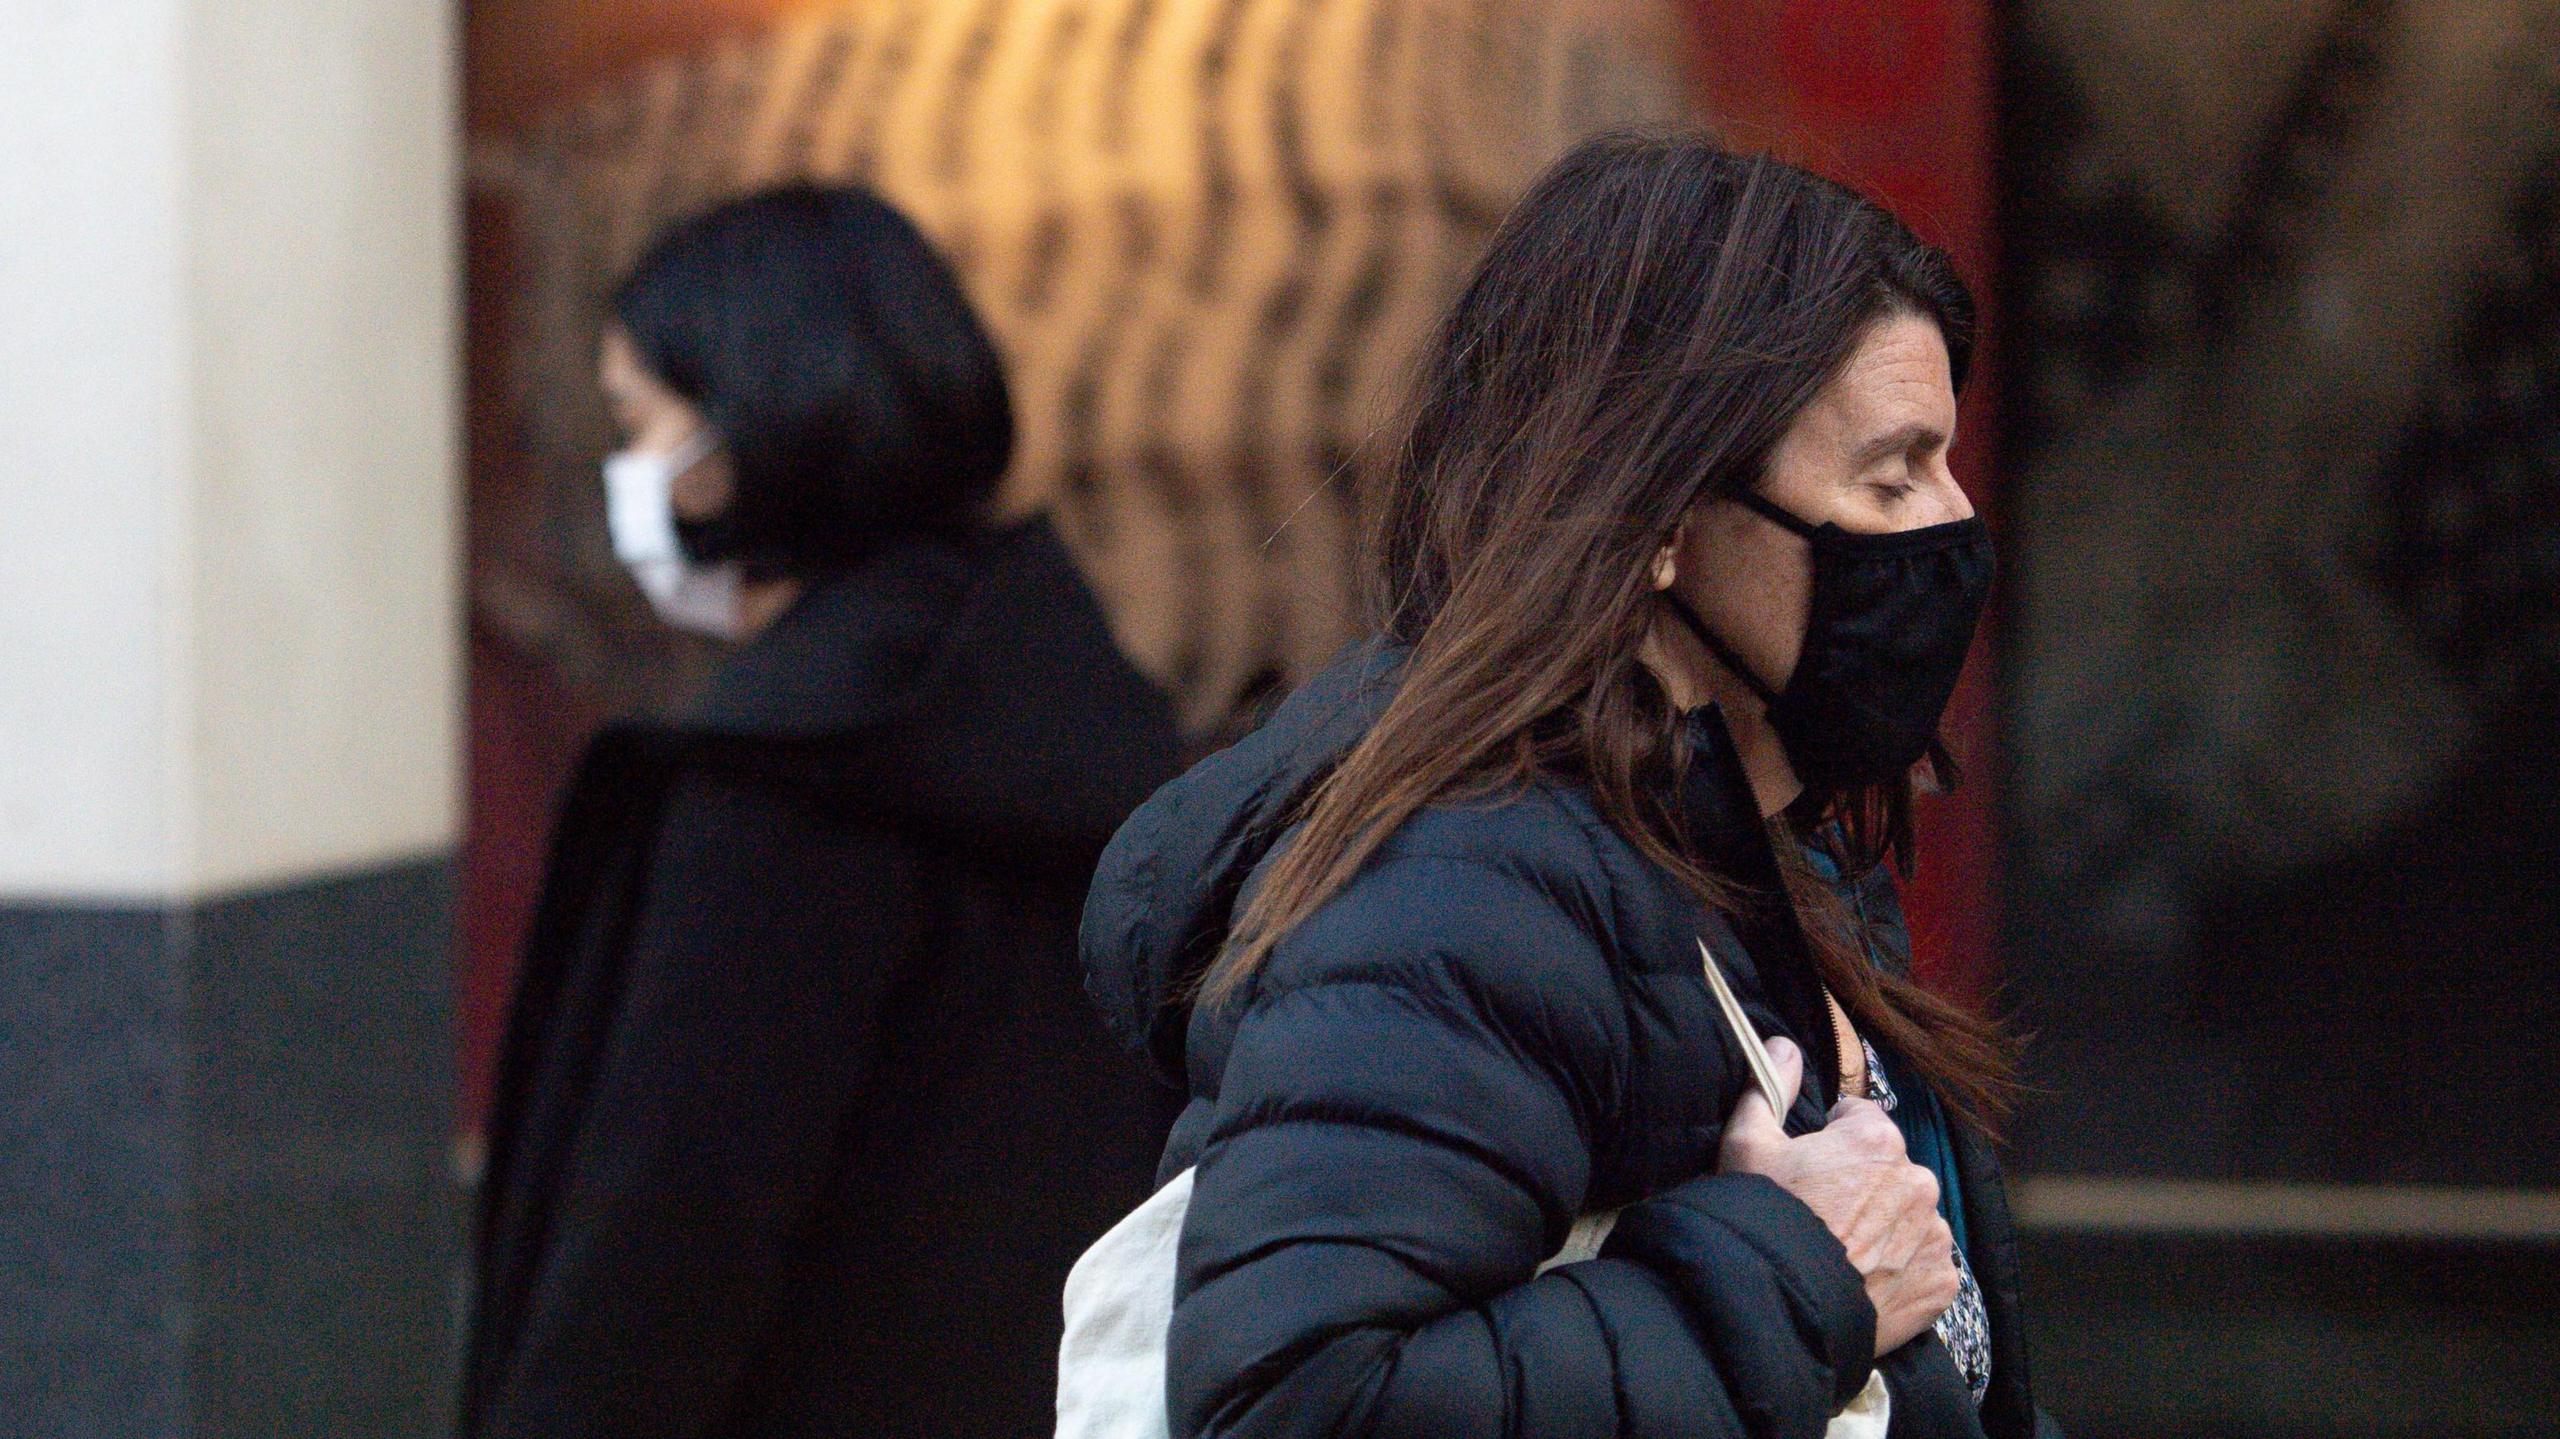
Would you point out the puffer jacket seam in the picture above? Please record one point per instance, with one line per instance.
(1620, 1403)
(1808, 1308)
(1377, 1121)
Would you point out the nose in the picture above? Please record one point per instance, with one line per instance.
(1952, 500)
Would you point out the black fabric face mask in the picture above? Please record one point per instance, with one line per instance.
(1892, 616)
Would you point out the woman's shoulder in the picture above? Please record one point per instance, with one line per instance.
(1507, 898)
(1547, 826)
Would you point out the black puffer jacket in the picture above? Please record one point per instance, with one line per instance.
(1499, 1025)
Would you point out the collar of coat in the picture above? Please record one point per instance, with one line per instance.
(965, 686)
(1165, 893)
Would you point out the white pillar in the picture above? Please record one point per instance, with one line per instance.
(229, 713)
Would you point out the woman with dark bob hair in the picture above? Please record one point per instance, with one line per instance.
(1675, 583)
(802, 1113)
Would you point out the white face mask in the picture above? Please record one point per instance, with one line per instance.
(639, 511)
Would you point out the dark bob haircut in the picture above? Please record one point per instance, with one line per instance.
(834, 352)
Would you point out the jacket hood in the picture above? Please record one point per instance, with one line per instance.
(967, 685)
(1165, 893)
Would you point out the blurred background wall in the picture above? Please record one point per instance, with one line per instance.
(2283, 451)
(229, 715)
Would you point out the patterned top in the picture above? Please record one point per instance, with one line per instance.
(1966, 1326)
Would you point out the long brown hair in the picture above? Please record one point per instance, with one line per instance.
(1649, 321)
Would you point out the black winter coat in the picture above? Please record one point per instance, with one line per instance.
(1499, 1025)
(802, 1115)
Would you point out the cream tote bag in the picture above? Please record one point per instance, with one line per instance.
(1120, 1304)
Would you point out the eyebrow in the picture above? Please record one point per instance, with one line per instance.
(1897, 441)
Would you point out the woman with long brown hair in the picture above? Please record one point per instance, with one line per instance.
(1675, 582)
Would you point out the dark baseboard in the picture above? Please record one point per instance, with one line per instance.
(2151, 1336)
(225, 1157)
(92, 1251)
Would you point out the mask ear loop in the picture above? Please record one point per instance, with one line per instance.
(1785, 519)
(1716, 646)
(1758, 504)
(1769, 510)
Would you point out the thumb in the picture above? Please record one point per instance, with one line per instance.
(1755, 1117)
(1788, 1061)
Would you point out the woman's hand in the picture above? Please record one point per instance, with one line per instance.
(1855, 1176)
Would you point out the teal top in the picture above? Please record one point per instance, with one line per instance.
(1923, 1122)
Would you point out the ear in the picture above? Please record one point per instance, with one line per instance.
(1666, 561)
